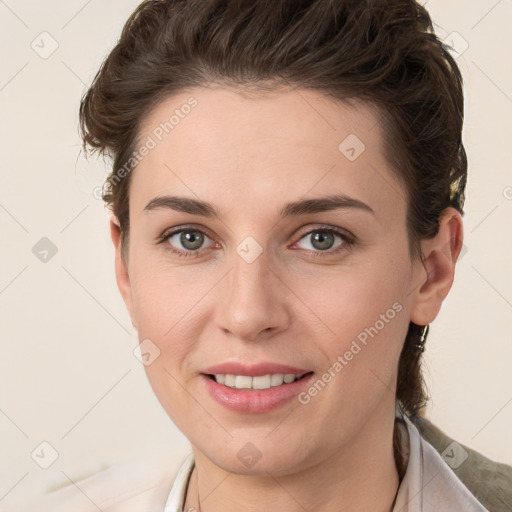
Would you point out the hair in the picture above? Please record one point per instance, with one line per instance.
(384, 54)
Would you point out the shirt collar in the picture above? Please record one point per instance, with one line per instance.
(429, 484)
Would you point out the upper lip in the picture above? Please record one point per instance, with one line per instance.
(252, 369)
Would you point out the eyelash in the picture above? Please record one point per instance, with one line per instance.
(348, 241)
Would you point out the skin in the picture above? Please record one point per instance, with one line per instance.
(249, 156)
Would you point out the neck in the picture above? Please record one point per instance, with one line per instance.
(361, 476)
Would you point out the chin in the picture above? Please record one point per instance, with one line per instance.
(248, 455)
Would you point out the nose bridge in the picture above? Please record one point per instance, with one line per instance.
(250, 274)
(252, 300)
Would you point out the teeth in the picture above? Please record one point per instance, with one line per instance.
(243, 382)
(260, 382)
(276, 379)
(229, 380)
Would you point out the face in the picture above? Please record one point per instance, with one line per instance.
(285, 254)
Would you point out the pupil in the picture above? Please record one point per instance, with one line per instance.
(323, 240)
(191, 240)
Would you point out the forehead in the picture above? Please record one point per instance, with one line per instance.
(227, 147)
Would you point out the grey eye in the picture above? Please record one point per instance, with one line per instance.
(190, 240)
(322, 240)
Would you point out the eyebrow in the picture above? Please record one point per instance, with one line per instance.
(293, 209)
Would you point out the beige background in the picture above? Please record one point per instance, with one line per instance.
(68, 375)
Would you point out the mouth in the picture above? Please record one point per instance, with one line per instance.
(260, 382)
(256, 394)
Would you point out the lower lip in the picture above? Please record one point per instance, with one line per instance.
(255, 400)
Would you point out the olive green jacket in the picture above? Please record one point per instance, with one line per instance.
(490, 482)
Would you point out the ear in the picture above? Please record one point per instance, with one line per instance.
(437, 271)
(121, 268)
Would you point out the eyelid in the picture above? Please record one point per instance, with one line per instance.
(346, 235)
(177, 229)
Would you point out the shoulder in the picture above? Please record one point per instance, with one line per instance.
(489, 481)
(134, 485)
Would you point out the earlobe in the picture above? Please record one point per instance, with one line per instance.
(121, 268)
(438, 267)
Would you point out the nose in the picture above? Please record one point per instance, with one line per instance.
(253, 303)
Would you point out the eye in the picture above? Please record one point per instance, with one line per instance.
(325, 240)
(185, 241)
(189, 241)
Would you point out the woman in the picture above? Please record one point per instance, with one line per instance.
(287, 197)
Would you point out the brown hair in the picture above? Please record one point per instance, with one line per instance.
(382, 52)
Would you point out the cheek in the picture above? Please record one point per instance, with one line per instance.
(365, 315)
(361, 357)
(165, 309)
(165, 298)
(349, 300)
